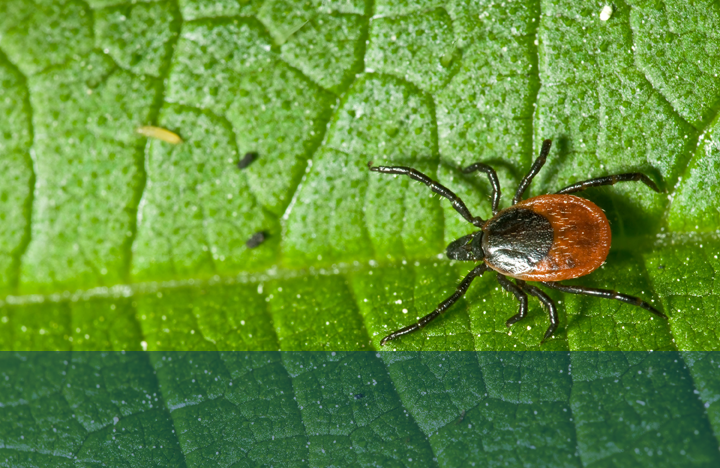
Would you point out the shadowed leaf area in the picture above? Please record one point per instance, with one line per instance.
(356, 409)
(113, 241)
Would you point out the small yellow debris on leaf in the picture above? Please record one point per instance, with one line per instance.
(159, 133)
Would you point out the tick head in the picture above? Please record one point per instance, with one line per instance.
(467, 248)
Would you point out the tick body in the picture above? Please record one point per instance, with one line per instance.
(546, 239)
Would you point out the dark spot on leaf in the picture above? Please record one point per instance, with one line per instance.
(256, 239)
(247, 160)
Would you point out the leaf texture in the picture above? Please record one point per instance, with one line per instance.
(109, 241)
(358, 409)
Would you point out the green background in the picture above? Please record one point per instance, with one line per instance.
(112, 242)
(109, 241)
(360, 409)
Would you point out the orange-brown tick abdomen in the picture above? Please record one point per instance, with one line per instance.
(580, 239)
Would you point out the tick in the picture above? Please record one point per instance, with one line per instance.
(545, 239)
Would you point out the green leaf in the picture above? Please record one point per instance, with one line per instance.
(357, 409)
(111, 241)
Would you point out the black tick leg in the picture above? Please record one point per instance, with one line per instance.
(606, 293)
(519, 295)
(537, 165)
(492, 175)
(609, 180)
(545, 299)
(436, 187)
(444, 305)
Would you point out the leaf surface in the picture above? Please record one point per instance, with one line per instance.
(359, 409)
(110, 241)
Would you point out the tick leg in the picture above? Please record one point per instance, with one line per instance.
(545, 299)
(492, 175)
(519, 295)
(609, 180)
(606, 293)
(537, 165)
(444, 305)
(436, 187)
